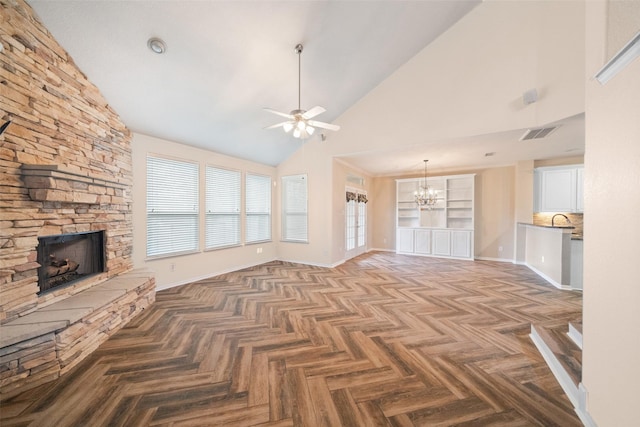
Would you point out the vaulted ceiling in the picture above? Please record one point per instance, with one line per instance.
(227, 60)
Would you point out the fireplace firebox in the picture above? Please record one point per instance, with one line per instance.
(67, 258)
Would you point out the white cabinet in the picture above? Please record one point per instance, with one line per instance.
(439, 242)
(404, 240)
(422, 240)
(558, 189)
(442, 242)
(461, 242)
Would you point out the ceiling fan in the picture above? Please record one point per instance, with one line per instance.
(300, 120)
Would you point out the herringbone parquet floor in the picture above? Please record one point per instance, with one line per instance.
(384, 339)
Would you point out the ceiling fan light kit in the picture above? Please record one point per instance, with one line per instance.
(299, 120)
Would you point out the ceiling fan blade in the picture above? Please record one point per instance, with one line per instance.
(280, 125)
(287, 115)
(323, 125)
(313, 112)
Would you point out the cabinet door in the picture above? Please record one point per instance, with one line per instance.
(558, 187)
(422, 242)
(404, 240)
(461, 244)
(580, 190)
(441, 242)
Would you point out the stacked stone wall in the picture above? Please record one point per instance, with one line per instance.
(65, 161)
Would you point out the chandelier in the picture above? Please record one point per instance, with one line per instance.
(425, 195)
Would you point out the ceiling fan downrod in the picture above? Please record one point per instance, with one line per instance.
(298, 50)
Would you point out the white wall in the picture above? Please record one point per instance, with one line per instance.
(186, 268)
(470, 80)
(611, 316)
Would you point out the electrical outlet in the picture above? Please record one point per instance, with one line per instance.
(543, 258)
(172, 267)
(259, 250)
(499, 248)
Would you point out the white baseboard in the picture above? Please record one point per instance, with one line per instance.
(558, 371)
(485, 258)
(547, 278)
(381, 250)
(314, 264)
(575, 336)
(581, 410)
(209, 275)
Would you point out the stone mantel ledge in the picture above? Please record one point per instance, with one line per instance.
(61, 314)
(57, 183)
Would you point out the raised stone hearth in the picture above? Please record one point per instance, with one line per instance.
(47, 343)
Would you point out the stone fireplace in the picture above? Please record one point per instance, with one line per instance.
(66, 258)
(66, 172)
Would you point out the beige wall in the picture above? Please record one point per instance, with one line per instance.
(183, 269)
(311, 159)
(494, 212)
(560, 161)
(611, 372)
(384, 213)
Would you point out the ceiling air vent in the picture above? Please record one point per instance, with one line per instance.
(537, 133)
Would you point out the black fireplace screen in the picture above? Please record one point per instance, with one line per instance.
(66, 258)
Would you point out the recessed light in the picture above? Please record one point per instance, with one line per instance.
(156, 45)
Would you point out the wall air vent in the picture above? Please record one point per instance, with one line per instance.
(537, 133)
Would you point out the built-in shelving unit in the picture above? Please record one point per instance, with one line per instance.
(447, 228)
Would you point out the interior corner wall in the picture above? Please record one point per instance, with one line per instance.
(312, 159)
(177, 270)
(610, 370)
(495, 213)
(383, 219)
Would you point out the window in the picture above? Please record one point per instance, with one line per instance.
(351, 224)
(257, 208)
(294, 208)
(172, 206)
(222, 225)
(362, 220)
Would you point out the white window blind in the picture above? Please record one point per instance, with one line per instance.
(351, 226)
(223, 192)
(257, 208)
(294, 208)
(172, 206)
(362, 224)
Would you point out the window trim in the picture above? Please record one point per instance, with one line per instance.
(283, 211)
(247, 214)
(147, 213)
(238, 214)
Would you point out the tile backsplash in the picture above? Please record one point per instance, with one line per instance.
(545, 219)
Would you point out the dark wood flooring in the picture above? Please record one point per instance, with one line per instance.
(383, 339)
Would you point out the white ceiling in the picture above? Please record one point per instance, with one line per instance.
(479, 151)
(226, 60)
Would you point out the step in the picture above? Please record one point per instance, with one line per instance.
(563, 356)
(575, 333)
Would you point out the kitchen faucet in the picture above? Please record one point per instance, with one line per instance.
(554, 217)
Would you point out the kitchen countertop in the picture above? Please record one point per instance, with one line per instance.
(562, 228)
